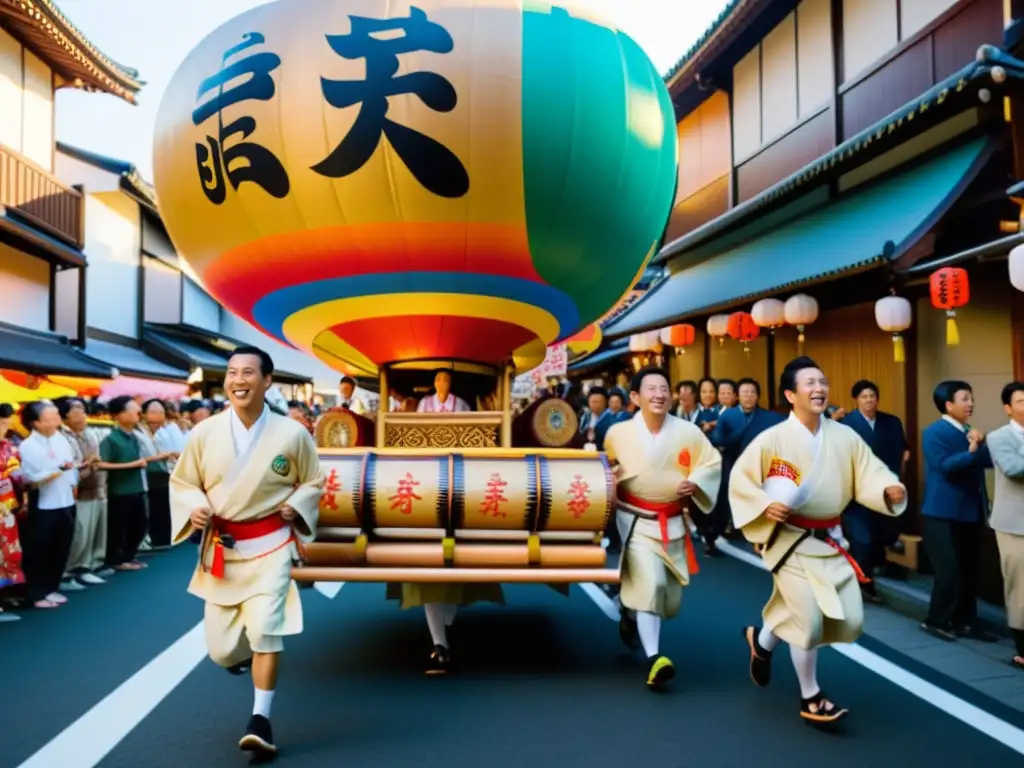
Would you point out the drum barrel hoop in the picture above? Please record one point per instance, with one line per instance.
(533, 492)
(366, 500)
(457, 494)
(543, 493)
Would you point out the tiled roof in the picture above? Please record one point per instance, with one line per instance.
(703, 39)
(42, 26)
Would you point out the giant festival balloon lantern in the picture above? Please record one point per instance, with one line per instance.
(374, 181)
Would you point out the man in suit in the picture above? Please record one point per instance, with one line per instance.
(597, 418)
(955, 509)
(736, 428)
(869, 533)
(1006, 445)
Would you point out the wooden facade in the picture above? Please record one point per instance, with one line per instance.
(790, 99)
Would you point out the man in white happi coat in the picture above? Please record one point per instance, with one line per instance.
(662, 464)
(249, 484)
(787, 491)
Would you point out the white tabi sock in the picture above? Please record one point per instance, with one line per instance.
(767, 640)
(262, 701)
(435, 623)
(649, 627)
(805, 662)
(450, 609)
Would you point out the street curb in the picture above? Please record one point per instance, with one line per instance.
(913, 603)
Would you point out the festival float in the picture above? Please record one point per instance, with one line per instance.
(401, 188)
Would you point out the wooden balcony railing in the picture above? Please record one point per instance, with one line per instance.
(40, 199)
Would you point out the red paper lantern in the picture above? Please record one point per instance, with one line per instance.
(950, 289)
(682, 335)
(742, 327)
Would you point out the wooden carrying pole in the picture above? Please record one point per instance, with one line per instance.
(461, 575)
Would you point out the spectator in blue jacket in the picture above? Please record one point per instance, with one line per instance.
(955, 511)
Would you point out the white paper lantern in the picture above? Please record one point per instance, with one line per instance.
(894, 314)
(718, 327)
(645, 342)
(801, 310)
(768, 313)
(1017, 267)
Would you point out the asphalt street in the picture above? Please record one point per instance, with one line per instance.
(542, 681)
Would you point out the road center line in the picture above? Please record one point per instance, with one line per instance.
(975, 717)
(88, 740)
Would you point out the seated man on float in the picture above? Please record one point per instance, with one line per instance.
(349, 401)
(443, 400)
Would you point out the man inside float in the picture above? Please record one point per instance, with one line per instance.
(662, 465)
(786, 493)
(443, 400)
(349, 401)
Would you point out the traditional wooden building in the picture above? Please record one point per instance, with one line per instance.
(42, 219)
(845, 150)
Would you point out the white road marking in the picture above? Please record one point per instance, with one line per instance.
(88, 740)
(975, 717)
(93, 736)
(329, 589)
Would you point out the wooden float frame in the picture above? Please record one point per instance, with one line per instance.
(459, 575)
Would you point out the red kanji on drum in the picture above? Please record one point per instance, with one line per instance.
(580, 501)
(494, 497)
(406, 494)
(331, 488)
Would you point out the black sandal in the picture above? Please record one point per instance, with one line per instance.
(819, 710)
(760, 659)
(1017, 662)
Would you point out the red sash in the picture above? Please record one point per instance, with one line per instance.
(821, 525)
(239, 531)
(664, 512)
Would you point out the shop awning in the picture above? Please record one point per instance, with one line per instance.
(41, 353)
(36, 241)
(867, 227)
(145, 388)
(133, 361)
(188, 348)
(612, 352)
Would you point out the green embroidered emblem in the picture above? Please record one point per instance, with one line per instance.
(281, 465)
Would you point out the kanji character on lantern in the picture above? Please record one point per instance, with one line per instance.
(950, 289)
(404, 497)
(494, 497)
(579, 501)
(331, 488)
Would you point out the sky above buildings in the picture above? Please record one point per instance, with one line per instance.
(156, 36)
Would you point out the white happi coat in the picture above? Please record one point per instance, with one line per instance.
(245, 475)
(433, 404)
(816, 598)
(651, 469)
